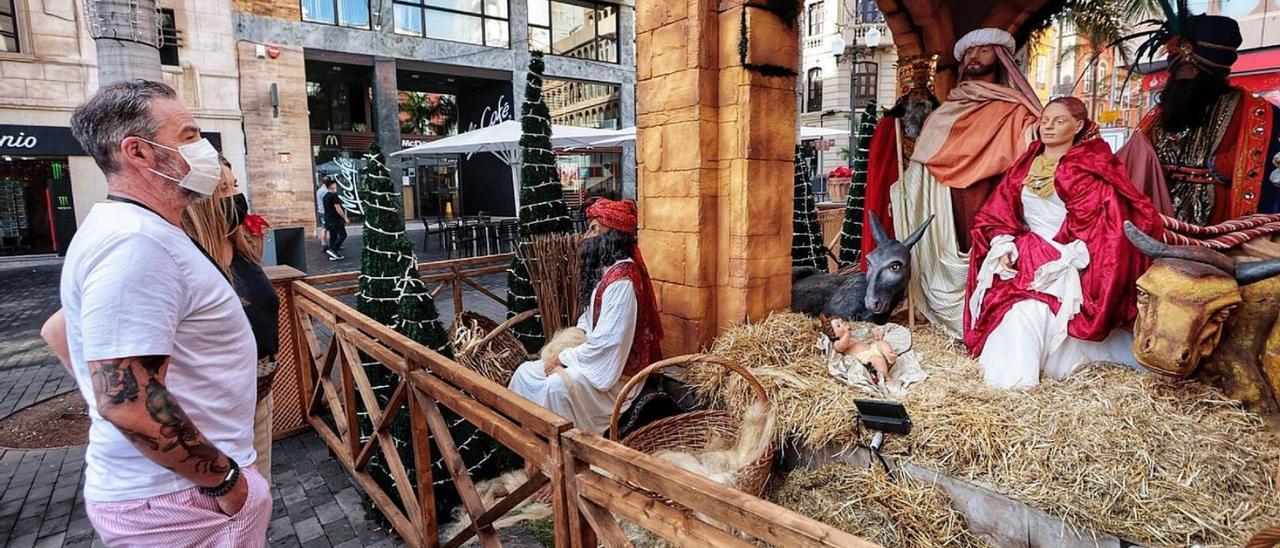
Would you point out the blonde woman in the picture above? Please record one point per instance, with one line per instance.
(223, 227)
(232, 239)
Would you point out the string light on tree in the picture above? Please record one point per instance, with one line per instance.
(806, 233)
(542, 207)
(854, 205)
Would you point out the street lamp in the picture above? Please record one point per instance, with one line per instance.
(871, 41)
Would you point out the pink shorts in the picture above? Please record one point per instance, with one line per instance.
(185, 518)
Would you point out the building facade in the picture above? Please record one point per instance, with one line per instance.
(48, 67)
(828, 79)
(323, 79)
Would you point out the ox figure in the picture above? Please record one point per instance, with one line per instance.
(869, 296)
(1201, 313)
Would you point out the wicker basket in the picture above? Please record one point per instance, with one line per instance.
(1266, 538)
(488, 347)
(694, 430)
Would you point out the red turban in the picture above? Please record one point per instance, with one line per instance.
(618, 215)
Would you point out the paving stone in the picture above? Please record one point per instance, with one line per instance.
(24, 541)
(51, 541)
(308, 529)
(280, 528)
(339, 531)
(329, 512)
(318, 542)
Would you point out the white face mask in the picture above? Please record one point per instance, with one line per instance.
(202, 158)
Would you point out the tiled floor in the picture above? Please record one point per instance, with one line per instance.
(315, 502)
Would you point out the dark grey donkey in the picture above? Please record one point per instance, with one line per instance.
(869, 296)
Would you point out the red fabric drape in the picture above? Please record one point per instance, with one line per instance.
(1099, 199)
(882, 172)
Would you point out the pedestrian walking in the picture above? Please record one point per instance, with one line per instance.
(158, 339)
(335, 221)
(321, 233)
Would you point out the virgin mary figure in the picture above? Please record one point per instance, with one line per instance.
(1051, 283)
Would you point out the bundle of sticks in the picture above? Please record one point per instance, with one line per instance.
(553, 264)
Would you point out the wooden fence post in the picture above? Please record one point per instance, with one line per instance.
(292, 384)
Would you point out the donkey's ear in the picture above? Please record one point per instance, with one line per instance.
(877, 230)
(919, 233)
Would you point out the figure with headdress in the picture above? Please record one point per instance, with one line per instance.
(1208, 152)
(964, 147)
(620, 321)
(894, 140)
(1051, 281)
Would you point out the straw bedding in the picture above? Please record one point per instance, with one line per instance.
(1148, 459)
(865, 501)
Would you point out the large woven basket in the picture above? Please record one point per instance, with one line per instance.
(691, 432)
(488, 347)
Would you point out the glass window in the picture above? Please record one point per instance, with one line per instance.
(339, 97)
(583, 104)
(423, 113)
(539, 13)
(815, 90)
(8, 27)
(574, 28)
(815, 18)
(865, 84)
(346, 13)
(168, 37)
(408, 20)
(481, 22)
(353, 13)
(320, 11)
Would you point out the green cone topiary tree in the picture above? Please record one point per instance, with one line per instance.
(806, 233)
(854, 205)
(392, 293)
(542, 207)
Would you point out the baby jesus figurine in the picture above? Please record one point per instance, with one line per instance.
(877, 354)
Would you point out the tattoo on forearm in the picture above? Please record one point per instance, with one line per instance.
(178, 431)
(116, 383)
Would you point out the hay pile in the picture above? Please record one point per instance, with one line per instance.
(812, 408)
(866, 502)
(1145, 458)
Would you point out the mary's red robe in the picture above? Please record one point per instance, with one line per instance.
(1099, 198)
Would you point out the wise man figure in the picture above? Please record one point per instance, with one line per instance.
(894, 140)
(620, 318)
(1215, 147)
(986, 123)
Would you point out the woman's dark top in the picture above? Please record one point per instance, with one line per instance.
(262, 305)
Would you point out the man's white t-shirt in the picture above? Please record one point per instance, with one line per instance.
(135, 285)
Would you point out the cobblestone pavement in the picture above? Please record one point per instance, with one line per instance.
(315, 502)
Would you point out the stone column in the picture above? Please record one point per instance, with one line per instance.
(386, 112)
(716, 141)
(519, 12)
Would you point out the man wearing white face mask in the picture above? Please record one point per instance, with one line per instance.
(159, 343)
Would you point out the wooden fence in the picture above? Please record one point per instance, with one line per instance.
(591, 480)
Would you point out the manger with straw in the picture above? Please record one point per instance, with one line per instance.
(553, 263)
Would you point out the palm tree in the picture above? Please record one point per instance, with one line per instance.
(1101, 24)
(126, 33)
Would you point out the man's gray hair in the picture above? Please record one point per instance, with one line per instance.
(117, 111)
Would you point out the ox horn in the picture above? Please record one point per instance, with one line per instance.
(1256, 271)
(877, 230)
(1159, 250)
(919, 233)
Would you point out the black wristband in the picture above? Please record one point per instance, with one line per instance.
(228, 483)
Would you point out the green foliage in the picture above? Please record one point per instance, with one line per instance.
(806, 234)
(542, 207)
(854, 205)
(392, 293)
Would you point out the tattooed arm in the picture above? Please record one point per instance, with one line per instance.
(131, 395)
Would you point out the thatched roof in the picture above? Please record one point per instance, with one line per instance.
(933, 26)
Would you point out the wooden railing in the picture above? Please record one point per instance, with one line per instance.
(591, 481)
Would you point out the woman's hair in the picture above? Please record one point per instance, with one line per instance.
(1080, 112)
(205, 221)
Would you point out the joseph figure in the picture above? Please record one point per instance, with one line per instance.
(986, 123)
